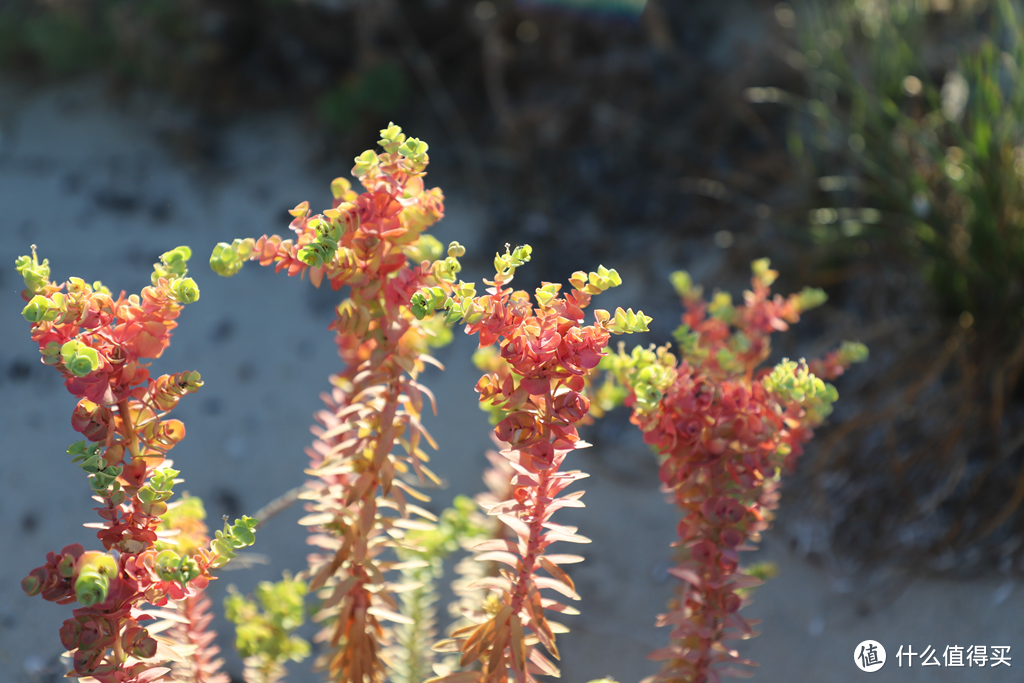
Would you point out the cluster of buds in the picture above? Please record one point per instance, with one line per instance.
(99, 344)
(96, 341)
(538, 390)
(724, 429)
(264, 627)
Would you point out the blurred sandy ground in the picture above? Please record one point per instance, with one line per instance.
(104, 188)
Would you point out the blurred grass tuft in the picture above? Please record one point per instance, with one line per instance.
(911, 133)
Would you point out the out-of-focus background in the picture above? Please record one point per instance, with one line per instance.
(874, 148)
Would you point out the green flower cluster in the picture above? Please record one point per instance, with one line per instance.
(173, 267)
(102, 478)
(393, 141)
(92, 584)
(264, 626)
(324, 245)
(505, 264)
(62, 308)
(627, 322)
(852, 352)
(596, 282)
(228, 259)
(231, 538)
(157, 492)
(78, 358)
(650, 372)
(172, 567)
(446, 269)
(794, 383)
(36, 275)
(460, 304)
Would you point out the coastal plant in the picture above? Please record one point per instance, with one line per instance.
(99, 344)
(725, 429)
(360, 509)
(361, 503)
(539, 388)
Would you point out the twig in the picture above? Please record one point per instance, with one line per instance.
(278, 505)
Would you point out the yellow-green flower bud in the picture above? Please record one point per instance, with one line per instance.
(37, 309)
(420, 305)
(721, 306)
(521, 255)
(414, 149)
(364, 162)
(472, 313)
(456, 250)
(763, 272)
(95, 570)
(391, 138)
(185, 290)
(810, 297)
(36, 275)
(79, 359)
(188, 569)
(464, 290)
(546, 294)
(628, 322)
(173, 264)
(168, 565)
(66, 566)
(243, 535)
(190, 381)
(853, 352)
(51, 351)
(228, 259)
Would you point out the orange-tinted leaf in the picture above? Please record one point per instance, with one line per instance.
(555, 584)
(544, 666)
(557, 573)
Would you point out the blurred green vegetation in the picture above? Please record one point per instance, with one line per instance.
(914, 130)
(910, 130)
(265, 625)
(210, 51)
(140, 39)
(376, 90)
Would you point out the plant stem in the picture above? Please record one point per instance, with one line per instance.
(126, 419)
(118, 651)
(278, 505)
